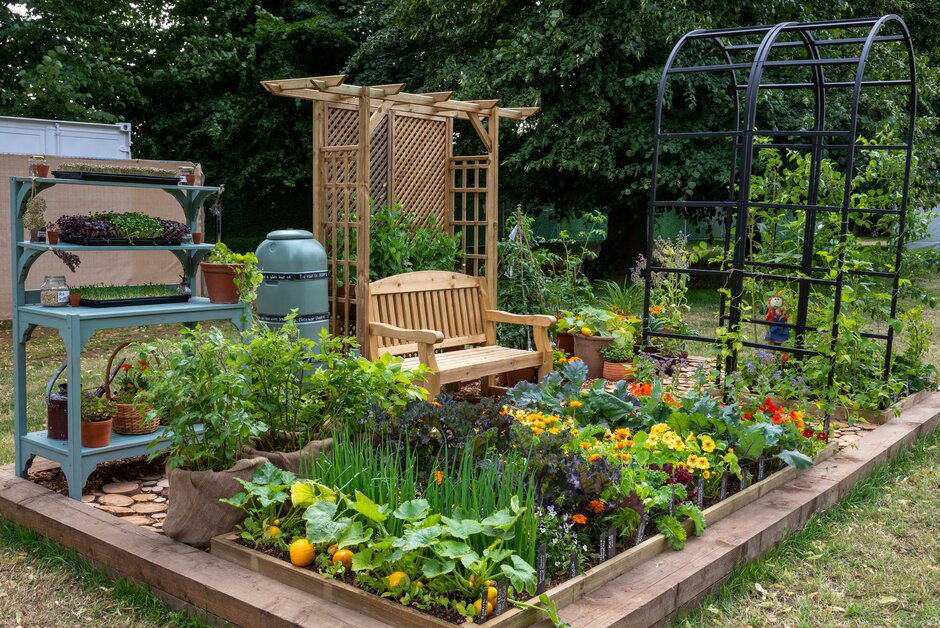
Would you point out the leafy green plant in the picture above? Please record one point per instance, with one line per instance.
(132, 225)
(548, 607)
(265, 499)
(247, 275)
(622, 298)
(196, 381)
(400, 243)
(95, 409)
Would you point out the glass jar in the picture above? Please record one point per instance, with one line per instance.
(54, 292)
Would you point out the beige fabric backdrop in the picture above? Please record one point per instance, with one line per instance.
(115, 267)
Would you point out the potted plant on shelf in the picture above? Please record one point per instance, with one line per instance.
(230, 277)
(130, 417)
(52, 234)
(618, 355)
(96, 421)
(198, 384)
(75, 297)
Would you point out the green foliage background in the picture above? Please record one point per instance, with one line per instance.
(187, 74)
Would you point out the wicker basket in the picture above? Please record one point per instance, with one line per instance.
(128, 418)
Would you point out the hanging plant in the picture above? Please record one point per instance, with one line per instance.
(34, 219)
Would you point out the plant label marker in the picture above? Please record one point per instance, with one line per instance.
(484, 601)
(502, 596)
(700, 493)
(603, 547)
(723, 493)
(745, 479)
(541, 582)
(672, 500)
(761, 464)
(611, 542)
(573, 567)
(641, 528)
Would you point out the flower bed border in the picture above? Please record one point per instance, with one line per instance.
(338, 592)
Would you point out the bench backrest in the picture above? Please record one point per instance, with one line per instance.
(450, 303)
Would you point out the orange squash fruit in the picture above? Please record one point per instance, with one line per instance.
(302, 553)
(344, 556)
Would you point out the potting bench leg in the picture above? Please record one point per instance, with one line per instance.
(73, 470)
(20, 426)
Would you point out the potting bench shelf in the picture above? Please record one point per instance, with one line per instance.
(76, 325)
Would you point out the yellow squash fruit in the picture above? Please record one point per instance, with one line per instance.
(343, 556)
(489, 608)
(491, 594)
(332, 549)
(396, 579)
(301, 553)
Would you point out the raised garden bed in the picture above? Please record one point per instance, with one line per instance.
(230, 547)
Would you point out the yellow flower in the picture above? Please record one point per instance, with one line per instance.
(652, 440)
(553, 431)
(658, 429)
(574, 432)
(575, 404)
(621, 433)
(708, 445)
(707, 474)
(625, 457)
(585, 445)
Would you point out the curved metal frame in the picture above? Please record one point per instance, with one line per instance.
(738, 203)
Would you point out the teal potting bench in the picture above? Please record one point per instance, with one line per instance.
(76, 325)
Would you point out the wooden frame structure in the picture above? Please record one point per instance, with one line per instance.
(378, 145)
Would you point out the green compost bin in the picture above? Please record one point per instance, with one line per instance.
(295, 273)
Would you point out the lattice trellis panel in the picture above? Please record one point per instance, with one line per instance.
(340, 223)
(342, 126)
(419, 162)
(378, 156)
(468, 184)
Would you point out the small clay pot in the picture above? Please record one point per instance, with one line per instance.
(75, 299)
(565, 342)
(96, 433)
(43, 170)
(588, 348)
(616, 371)
(197, 237)
(52, 237)
(220, 281)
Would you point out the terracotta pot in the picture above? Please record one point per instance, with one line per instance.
(565, 342)
(75, 299)
(588, 348)
(96, 433)
(52, 237)
(616, 371)
(197, 237)
(43, 170)
(511, 378)
(220, 281)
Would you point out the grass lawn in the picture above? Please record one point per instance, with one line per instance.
(874, 560)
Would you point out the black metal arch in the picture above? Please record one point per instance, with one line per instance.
(815, 38)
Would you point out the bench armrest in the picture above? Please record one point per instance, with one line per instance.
(535, 320)
(424, 336)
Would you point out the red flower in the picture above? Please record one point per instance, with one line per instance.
(821, 436)
(126, 367)
(747, 416)
(807, 433)
(777, 420)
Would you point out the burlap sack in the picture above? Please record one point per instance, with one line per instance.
(293, 461)
(195, 514)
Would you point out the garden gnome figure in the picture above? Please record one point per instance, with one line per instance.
(777, 334)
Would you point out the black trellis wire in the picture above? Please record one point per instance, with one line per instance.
(737, 204)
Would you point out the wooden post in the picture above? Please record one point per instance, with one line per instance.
(449, 182)
(317, 137)
(492, 208)
(363, 212)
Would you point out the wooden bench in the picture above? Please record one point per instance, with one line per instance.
(446, 319)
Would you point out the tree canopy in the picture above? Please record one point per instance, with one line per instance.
(187, 73)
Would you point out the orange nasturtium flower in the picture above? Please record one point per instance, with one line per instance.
(596, 506)
(579, 519)
(594, 457)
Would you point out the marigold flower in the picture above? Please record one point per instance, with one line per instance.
(574, 358)
(594, 457)
(439, 476)
(620, 445)
(621, 432)
(585, 445)
(553, 431)
(575, 404)
(708, 445)
(126, 367)
(579, 519)
(629, 443)
(596, 506)
(656, 310)
(625, 457)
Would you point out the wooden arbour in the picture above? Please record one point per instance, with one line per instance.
(378, 145)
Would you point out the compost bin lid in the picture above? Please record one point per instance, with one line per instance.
(290, 234)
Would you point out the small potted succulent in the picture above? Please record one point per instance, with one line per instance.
(96, 421)
(231, 277)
